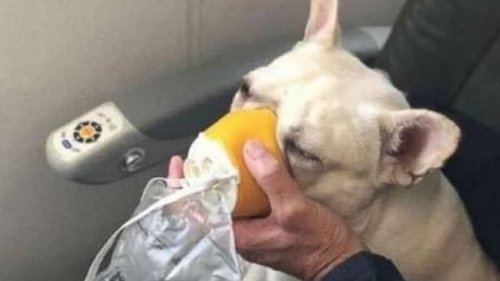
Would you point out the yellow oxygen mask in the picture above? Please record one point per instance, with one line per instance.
(218, 152)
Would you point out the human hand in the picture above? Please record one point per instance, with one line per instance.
(299, 237)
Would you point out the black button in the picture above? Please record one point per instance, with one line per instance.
(95, 137)
(96, 126)
(77, 137)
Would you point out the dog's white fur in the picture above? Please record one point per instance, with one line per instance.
(355, 146)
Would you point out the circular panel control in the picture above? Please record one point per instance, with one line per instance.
(87, 132)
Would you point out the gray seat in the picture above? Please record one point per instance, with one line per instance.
(446, 55)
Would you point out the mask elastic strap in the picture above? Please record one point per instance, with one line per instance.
(171, 198)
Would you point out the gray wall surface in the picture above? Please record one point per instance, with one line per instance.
(61, 58)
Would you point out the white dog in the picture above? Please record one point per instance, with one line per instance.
(355, 146)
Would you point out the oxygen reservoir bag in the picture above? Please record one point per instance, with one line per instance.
(181, 229)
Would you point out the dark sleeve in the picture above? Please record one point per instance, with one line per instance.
(364, 266)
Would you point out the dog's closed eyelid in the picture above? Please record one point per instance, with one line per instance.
(292, 146)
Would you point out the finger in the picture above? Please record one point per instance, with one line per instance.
(175, 167)
(269, 173)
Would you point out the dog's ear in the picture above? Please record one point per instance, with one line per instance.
(322, 24)
(413, 143)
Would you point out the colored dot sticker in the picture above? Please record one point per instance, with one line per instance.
(87, 132)
(67, 144)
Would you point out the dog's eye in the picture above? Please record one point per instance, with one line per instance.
(291, 147)
(245, 89)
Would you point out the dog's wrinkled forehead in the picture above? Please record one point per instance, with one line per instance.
(330, 75)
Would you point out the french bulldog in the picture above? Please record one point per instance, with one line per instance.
(355, 146)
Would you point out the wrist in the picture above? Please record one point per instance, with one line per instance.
(339, 256)
(364, 266)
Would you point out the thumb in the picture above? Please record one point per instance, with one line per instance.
(269, 172)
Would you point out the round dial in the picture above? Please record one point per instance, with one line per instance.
(87, 132)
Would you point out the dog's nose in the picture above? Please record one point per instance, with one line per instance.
(245, 90)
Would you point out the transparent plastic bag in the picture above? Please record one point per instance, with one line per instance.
(181, 234)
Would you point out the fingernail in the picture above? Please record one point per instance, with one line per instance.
(255, 149)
